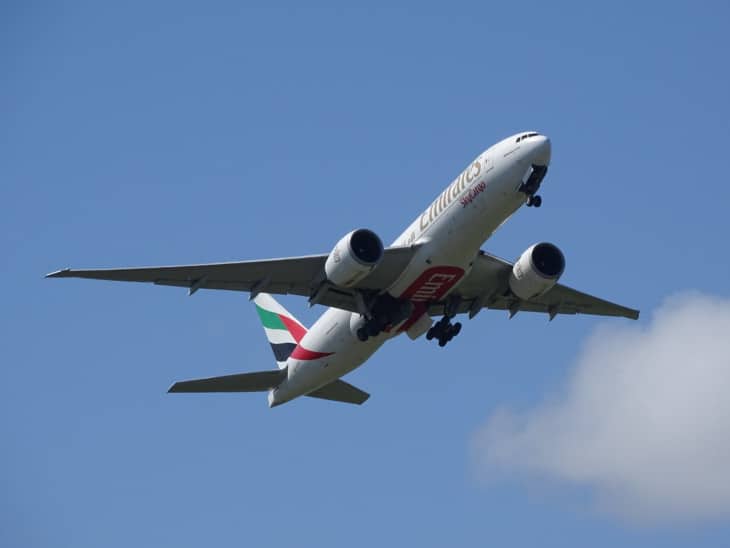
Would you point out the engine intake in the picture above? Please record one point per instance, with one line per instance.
(536, 271)
(353, 257)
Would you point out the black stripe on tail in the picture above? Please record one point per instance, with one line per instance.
(282, 351)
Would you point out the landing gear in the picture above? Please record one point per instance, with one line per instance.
(531, 183)
(384, 313)
(371, 329)
(534, 201)
(444, 331)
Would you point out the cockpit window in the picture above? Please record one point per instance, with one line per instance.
(525, 136)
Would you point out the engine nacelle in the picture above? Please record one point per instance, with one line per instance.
(353, 257)
(536, 271)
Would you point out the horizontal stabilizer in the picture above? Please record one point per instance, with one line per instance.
(260, 381)
(340, 391)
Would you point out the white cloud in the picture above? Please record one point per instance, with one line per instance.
(644, 420)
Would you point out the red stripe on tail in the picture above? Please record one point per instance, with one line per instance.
(296, 330)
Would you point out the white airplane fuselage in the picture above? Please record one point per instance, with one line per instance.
(449, 235)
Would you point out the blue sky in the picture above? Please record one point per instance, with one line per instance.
(181, 132)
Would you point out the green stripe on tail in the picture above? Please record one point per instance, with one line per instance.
(271, 320)
(282, 329)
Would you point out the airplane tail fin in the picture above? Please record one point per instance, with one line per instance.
(282, 329)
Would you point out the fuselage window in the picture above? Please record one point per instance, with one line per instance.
(525, 136)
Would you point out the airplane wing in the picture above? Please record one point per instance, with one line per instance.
(487, 285)
(294, 275)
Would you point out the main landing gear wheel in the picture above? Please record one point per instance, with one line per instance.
(534, 201)
(444, 331)
(372, 328)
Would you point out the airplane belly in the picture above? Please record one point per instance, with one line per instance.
(446, 256)
(453, 241)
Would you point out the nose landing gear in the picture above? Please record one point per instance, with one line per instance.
(444, 331)
(531, 183)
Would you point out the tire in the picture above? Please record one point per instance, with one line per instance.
(442, 342)
(362, 334)
(537, 201)
(429, 334)
(456, 329)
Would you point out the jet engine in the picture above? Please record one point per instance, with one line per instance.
(353, 257)
(536, 271)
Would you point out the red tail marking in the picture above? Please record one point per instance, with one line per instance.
(296, 330)
(301, 353)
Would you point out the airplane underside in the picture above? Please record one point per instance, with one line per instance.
(434, 269)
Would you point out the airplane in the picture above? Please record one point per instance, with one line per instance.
(434, 269)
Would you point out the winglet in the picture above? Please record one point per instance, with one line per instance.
(58, 273)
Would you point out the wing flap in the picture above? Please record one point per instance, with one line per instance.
(339, 390)
(259, 381)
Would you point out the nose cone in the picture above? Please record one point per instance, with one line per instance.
(541, 150)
